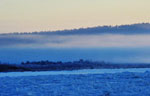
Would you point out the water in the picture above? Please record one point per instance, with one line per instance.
(120, 55)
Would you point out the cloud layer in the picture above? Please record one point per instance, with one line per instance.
(74, 41)
(135, 35)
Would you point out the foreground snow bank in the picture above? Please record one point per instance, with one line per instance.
(118, 84)
(77, 72)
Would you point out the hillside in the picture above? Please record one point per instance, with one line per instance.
(139, 28)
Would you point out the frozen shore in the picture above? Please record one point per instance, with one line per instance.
(74, 72)
(77, 83)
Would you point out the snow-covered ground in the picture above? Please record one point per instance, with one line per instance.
(97, 82)
(77, 72)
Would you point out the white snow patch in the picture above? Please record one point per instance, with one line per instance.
(74, 72)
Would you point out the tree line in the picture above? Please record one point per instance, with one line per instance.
(59, 65)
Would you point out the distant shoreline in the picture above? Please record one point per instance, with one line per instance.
(60, 66)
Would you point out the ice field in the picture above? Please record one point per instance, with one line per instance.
(128, 82)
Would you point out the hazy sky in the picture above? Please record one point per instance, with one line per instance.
(38, 15)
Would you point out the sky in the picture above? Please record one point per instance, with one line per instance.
(48, 15)
(41, 15)
(114, 46)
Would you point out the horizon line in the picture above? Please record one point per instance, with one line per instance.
(69, 29)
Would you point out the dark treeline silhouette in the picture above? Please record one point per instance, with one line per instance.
(139, 28)
(59, 65)
(54, 37)
(11, 68)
